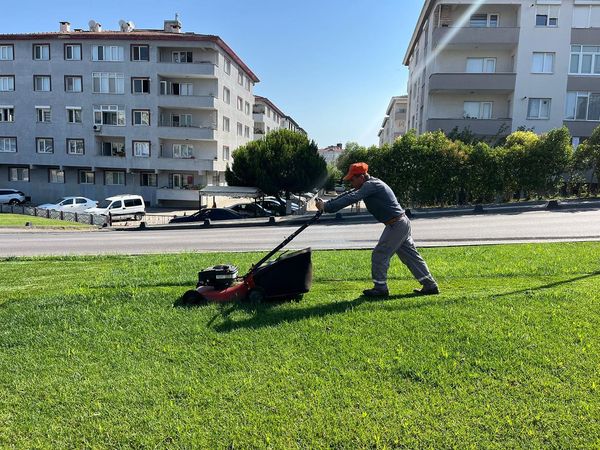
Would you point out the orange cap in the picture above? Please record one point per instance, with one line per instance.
(356, 169)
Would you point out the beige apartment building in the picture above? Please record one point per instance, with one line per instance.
(268, 117)
(498, 65)
(394, 123)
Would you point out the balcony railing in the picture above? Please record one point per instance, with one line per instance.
(468, 36)
(485, 127)
(489, 82)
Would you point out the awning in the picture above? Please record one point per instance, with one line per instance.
(231, 191)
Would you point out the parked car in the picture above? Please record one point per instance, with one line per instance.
(251, 210)
(70, 204)
(208, 213)
(271, 202)
(121, 207)
(11, 196)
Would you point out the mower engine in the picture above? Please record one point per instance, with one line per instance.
(219, 277)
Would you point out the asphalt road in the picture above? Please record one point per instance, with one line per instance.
(538, 226)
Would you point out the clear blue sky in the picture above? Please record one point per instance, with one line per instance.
(330, 64)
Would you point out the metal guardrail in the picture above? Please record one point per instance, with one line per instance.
(88, 219)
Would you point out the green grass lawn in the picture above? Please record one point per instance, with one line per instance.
(94, 355)
(19, 220)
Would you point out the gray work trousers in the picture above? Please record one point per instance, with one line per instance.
(396, 238)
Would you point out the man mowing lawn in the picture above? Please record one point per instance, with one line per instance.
(396, 237)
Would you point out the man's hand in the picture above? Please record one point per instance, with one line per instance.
(319, 204)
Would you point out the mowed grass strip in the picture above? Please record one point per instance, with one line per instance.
(93, 354)
(8, 220)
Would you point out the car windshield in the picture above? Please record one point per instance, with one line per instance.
(59, 201)
(104, 204)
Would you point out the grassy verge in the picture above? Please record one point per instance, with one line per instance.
(19, 220)
(93, 354)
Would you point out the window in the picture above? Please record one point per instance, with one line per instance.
(140, 53)
(247, 108)
(484, 20)
(18, 173)
(114, 178)
(113, 149)
(227, 66)
(7, 53)
(41, 52)
(7, 83)
(538, 108)
(181, 120)
(44, 145)
(481, 65)
(240, 104)
(183, 151)
(107, 53)
(8, 144)
(148, 179)
(542, 63)
(182, 57)
(181, 180)
(141, 117)
(247, 131)
(226, 95)
(43, 113)
(173, 88)
(239, 129)
(56, 176)
(75, 147)
(546, 16)
(7, 113)
(583, 106)
(141, 149)
(140, 85)
(225, 123)
(226, 154)
(585, 60)
(240, 78)
(477, 110)
(73, 83)
(87, 177)
(109, 115)
(41, 83)
(73, 114)
(73, 52)
(108, 83)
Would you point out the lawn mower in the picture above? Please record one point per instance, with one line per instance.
(287, 277)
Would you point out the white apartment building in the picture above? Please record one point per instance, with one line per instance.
(394, 123)
(504, 64)
(268, 117)
(332, 153)
(98, 113)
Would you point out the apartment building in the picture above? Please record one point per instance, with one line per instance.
(97, 113)
(495, 66)
(331, 153)
(268, 117)
(394, 122)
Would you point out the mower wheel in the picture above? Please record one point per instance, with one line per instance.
(256, 296)
(192, 298)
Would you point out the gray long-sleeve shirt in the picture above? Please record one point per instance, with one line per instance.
(378, 197)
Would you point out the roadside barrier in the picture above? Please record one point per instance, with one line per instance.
(88, 219)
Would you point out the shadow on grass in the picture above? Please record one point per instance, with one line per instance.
(268, 318)
(550, 285)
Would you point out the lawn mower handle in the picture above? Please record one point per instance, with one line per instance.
(287, 240)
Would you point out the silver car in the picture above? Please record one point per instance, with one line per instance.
(70, 204)
(11, 196)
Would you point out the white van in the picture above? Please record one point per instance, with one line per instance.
(120, 207)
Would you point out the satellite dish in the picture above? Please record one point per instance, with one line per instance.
(131, 25)
(92, 24)
(122, 23)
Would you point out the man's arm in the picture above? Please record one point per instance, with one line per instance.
(342, 201)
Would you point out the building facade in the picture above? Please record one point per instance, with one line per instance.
(499, 65)
(394, 123)
(98, 113)
(268, 117)
(332, 153)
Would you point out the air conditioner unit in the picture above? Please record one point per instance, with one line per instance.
(97, 128)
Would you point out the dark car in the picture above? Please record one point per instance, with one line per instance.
(208, 213)
(251, 210)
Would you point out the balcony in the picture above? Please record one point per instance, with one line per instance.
(468, 37)
(190, 70)
(186, 195)
(170, 130)
(188, 101)
(186, 164)
(499, 83)
(481, 127)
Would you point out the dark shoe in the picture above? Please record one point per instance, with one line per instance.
(430, 290)
(374, 292)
